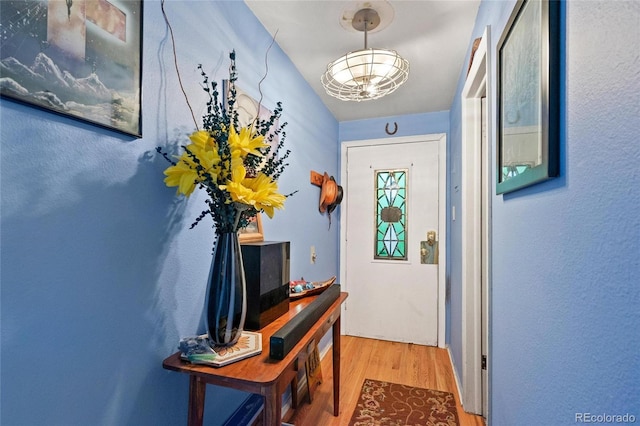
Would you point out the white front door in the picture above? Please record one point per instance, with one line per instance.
(392, 294)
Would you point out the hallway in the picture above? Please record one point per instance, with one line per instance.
(414, 365)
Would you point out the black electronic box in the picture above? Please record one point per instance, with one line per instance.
(266, 266)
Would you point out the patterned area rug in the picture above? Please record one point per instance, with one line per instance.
(390, 404)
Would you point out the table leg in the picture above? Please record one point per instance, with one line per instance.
(336, 367)
(294, 392)
(197, 389)
(272, 407)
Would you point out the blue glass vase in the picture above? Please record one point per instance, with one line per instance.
(226, 301)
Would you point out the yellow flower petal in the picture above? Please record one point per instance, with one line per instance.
(202, 139)
(185, 174)
(245, 143)
(182, 176)
(238, 172)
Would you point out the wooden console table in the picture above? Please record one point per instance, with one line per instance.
(260, 374)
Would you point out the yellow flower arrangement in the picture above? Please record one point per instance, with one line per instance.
(235, 165)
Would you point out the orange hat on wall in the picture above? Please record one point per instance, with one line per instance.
(330, 194)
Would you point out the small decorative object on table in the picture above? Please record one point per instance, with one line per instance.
(198, 351)
(304, 288)
(239, 170)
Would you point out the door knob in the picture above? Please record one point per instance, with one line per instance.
(431, 237)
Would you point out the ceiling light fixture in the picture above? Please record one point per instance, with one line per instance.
(365, 74)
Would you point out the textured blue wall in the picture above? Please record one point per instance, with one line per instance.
(100, 274)
(565, 291)
(407, 125)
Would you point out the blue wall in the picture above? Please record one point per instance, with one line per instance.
(565, 253)
(407, 125)
(100, 274)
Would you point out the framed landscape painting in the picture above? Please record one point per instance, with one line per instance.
(79, 58)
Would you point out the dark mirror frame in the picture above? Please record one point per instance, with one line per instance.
(549, 107)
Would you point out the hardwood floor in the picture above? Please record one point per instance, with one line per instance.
(414, 365)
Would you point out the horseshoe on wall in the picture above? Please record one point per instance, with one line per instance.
(395, 128)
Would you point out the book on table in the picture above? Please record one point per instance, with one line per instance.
(197, 350)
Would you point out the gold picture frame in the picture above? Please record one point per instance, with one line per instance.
(252, 233)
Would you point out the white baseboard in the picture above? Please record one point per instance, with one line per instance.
(455, 375)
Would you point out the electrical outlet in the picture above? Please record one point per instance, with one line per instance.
(313, 254)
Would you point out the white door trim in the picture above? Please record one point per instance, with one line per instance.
(441, 138)
(476, 86)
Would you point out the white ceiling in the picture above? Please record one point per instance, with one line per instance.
(432, 35)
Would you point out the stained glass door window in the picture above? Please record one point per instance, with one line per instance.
(391, 214)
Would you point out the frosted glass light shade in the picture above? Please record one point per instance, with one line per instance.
(365, 74)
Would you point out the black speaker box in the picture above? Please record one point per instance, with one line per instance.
(266, 267)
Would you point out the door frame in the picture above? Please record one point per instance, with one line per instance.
(476, 86)
(441, 138)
